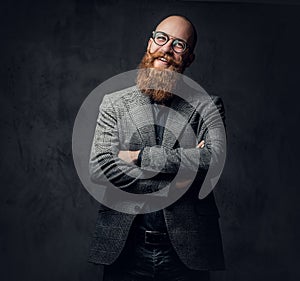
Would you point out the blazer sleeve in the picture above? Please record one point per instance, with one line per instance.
(104, 164)
(167, 160)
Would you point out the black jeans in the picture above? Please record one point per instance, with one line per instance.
(143, 262)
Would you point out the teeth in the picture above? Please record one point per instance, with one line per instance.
(163, 59)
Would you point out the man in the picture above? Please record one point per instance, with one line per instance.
(182, 241)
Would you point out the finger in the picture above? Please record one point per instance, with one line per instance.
(182, 184)
(201, 144)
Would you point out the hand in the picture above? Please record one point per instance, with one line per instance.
(129, 156)
(183, 183)
(201, 144)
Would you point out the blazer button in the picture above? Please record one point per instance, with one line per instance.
(137, 208)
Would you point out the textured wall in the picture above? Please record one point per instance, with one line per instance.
(53, 53)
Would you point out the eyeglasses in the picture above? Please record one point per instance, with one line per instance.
(160, 38)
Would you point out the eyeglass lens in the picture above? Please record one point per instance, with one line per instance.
(161, 39)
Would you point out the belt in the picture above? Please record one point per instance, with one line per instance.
(152, 237)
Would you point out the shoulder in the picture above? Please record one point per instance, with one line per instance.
(126, 94)
(209, 106)
(216, 107)
(218, 101)
(198, 97)
(206, 101)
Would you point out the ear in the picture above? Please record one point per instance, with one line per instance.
(149, 43)
(190, 59)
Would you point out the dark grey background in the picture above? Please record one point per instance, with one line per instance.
(54, 53)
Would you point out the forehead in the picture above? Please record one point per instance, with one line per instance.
(176, 27)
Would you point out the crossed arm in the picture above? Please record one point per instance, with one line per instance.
(131, 156)
(108, 162)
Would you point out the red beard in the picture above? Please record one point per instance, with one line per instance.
(158, 83)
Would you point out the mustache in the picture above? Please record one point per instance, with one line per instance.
(151, 57)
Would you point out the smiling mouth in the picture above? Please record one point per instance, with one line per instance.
(163, 60)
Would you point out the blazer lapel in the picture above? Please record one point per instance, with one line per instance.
(178, 118)
(140, 111)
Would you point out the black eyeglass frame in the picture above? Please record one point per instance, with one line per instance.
(175, 40)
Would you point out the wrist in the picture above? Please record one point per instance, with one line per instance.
(134, 155)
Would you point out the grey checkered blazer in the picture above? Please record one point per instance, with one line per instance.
(123, 124)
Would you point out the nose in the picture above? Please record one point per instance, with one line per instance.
(167, 48)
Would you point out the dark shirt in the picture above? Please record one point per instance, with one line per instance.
(155, 220)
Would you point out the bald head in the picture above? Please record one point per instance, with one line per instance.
(173, 32)
(179, 27)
